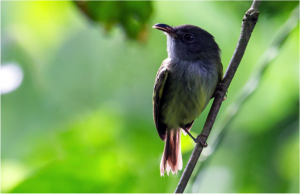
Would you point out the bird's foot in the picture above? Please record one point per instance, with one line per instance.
(221, 88)
(200, 140)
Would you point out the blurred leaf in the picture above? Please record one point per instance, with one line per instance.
(287, 158)
(97, 154)
(131, 15)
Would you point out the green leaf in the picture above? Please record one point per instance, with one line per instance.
(131, 15)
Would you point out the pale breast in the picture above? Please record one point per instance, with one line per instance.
(187, 91)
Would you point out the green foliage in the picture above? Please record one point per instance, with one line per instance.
(131, 15)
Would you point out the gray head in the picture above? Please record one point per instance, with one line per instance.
(189, 42)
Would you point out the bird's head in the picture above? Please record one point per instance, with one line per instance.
(188, 42)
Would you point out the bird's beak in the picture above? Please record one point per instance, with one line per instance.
(165, 28)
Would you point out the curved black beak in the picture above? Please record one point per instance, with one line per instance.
(166, 28)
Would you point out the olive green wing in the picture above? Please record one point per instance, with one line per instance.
(160, 81)
(220, 77)
(221, 73)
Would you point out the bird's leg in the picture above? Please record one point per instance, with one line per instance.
(220, 88)
(196, 140)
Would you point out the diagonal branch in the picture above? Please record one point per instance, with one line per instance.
(249, 21)
(249, 88)
(261, 65)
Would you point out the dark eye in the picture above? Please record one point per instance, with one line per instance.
(188, 38)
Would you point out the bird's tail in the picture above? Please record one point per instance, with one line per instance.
(171, 159)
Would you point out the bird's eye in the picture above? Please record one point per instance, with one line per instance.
(188, 38)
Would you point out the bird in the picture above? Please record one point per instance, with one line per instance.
(185, 82)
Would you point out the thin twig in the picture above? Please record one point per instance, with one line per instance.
(261, 65)
(249, 21)
(252, 84)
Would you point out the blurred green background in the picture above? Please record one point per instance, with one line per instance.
(81, 119)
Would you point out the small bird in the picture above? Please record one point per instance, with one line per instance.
(184, 84)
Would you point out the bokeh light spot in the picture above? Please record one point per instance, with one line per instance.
(14, 173)
(11, 76)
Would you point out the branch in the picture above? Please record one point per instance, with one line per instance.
(251, 85)
(249, 21)
(261, 65)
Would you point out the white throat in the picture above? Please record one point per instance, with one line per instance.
(170, 47)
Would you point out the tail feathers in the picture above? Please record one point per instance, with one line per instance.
(171, 159)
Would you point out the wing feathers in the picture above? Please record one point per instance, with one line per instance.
(160, 81)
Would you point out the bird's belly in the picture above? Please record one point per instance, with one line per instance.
(184, 102)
